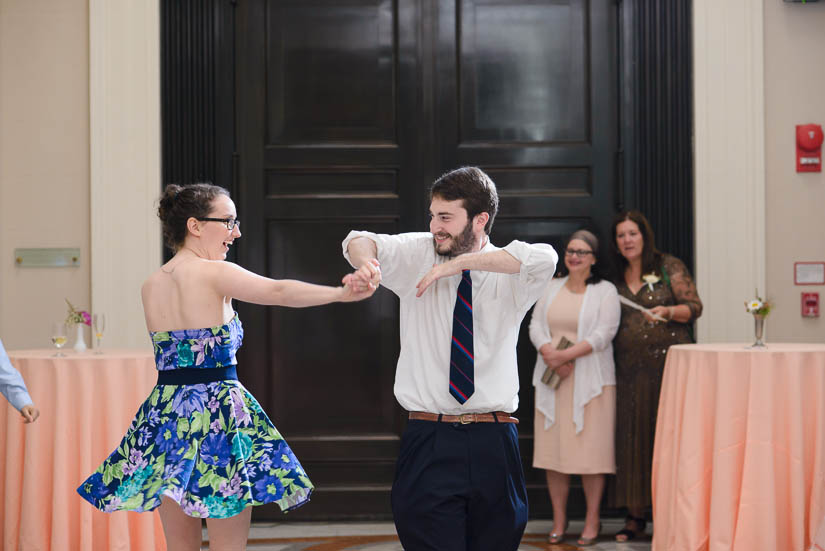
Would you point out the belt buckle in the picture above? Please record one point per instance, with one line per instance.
(467, 418)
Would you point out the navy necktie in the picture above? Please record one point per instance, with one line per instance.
(461, 347)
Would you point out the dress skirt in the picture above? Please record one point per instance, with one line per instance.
(209, 447)
(560, 449)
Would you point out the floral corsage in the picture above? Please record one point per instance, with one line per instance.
(651, 279)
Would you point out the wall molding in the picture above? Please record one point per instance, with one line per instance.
(729, 142)
(124, 103)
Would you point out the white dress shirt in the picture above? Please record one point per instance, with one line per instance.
(499, 304)
(598, 322)
(11, 382)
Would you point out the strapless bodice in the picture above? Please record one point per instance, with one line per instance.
(198, 348)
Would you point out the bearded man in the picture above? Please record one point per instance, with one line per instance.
(459, 484)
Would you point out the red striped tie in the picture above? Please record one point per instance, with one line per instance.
(461, 350)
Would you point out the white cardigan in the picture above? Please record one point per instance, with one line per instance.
(598, 322)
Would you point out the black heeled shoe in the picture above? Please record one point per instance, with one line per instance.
(629, 534)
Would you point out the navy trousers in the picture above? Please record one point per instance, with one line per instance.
(459, 487)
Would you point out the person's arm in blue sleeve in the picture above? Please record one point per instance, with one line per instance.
(14, 389)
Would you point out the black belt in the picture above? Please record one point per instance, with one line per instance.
(195, 376)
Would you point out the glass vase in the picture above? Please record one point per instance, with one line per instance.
(758, 331)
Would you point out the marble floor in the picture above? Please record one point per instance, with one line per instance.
(380, 536)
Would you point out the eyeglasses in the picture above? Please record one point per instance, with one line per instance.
(230, 223)
(577, 252)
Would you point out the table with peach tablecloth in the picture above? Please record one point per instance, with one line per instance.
(739, 458)
(86, 403)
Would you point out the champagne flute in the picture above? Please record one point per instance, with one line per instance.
(59, 337)
(99, 325)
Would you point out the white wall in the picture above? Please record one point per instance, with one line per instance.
(795, 203)
(125, 161)
(729, 162)
(44, 162)
(79, 161)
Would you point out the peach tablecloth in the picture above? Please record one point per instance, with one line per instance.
(86, 404)
(739, 458)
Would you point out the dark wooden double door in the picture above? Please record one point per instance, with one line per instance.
(346, 111)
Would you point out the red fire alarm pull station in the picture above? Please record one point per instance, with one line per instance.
(808, 148)
(810, 305)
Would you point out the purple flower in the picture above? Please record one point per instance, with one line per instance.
(112, 505)
(177, 468)
(153, 416)
(175, 493)
(213, 404)
(215, 425)
(189, 399)
(267, 488)
(239, 410)
(136, 456)
(232, 488)
(144, 434)
(266, 463)
(195, 509)
(215, 450)
(136, 461)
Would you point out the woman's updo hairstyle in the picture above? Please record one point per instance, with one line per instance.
(180, 203)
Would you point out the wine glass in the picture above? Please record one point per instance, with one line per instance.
(99, 325)
(59, 337)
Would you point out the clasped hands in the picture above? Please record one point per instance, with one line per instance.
(363, 282)
(556, 360)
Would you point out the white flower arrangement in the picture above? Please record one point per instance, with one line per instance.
(651, 279)
(758, 307)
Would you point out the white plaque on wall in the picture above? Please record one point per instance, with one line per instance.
(809, 273)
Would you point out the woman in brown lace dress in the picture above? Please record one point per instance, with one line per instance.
(662, 284)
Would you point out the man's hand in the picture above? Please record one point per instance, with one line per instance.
(29, 413)
(446, 269)
(369, 274)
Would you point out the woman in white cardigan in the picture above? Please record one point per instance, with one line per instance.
(575, 422)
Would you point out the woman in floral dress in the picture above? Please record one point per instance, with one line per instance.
(200, 445)
(662, 284)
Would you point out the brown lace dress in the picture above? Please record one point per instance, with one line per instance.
(640, 348)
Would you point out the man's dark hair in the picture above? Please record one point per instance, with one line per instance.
(473, 186)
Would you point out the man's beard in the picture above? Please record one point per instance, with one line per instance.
(459, 244)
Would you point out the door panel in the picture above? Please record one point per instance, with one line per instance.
(522, 71)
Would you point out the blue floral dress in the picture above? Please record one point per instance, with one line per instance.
(210, 447)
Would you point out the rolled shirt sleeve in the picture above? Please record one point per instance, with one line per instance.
(538, 264)
(11, 382)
